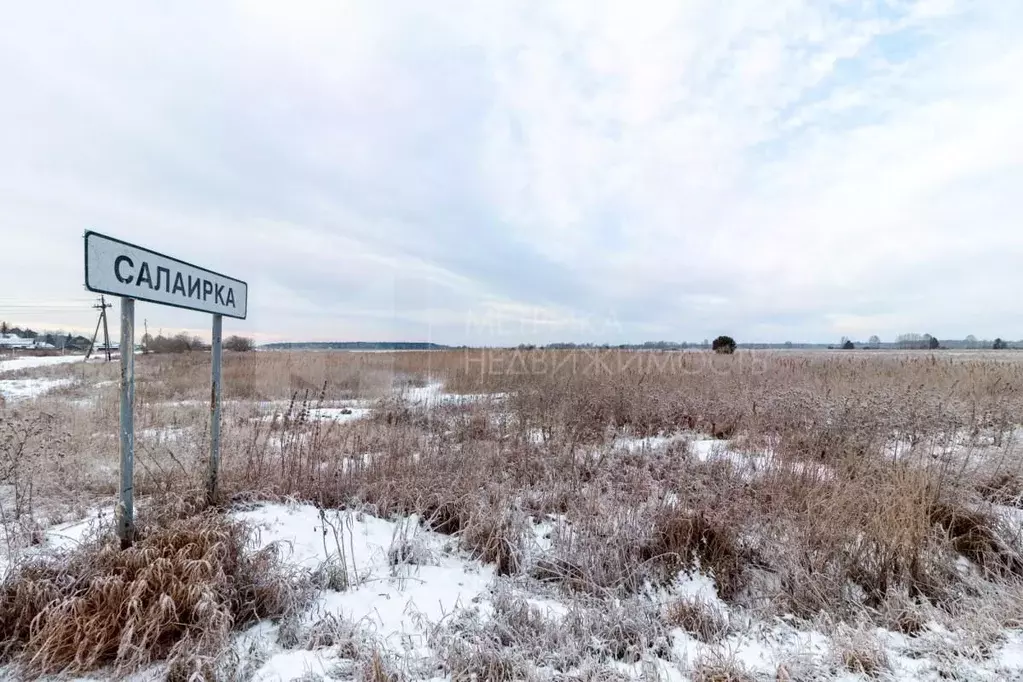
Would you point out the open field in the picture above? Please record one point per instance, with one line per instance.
(521, 515)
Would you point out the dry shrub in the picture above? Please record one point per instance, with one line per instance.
(600, 555)
(334, 632)
(29, 445)
(860, 652)
(880, 531)
(471, 653)
(682, 539)
(444, 515)
(641, 518)
(496, 536)
(518, 640)
(406, 551)
(899, 613)
(869, 662)
(176, 594)
(697, 617)
(378, 668)
(717, 667)
(595, 673)
(1003, 488)
(975, 535)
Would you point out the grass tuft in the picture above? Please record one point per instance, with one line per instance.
(176, 594)
(697, 617)
(682, 538)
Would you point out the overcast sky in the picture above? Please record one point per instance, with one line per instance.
(502, 170)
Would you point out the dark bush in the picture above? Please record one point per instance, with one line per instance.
(724, 344)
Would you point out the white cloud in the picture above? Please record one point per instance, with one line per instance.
(773, 169)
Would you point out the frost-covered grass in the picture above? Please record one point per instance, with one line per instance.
(604, 517)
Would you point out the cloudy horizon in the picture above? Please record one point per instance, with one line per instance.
(501, 172)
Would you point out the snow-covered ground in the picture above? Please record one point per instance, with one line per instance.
(705, 449)
(433, 395)
(395, 606)
(31, 361)
(24, 389)
(331, 414)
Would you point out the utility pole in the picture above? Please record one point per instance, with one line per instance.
(106, 331)
(102, 308)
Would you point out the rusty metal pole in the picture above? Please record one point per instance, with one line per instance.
(216, 351)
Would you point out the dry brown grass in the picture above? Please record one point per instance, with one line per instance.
(697, 617)
(717, 667)
(273, 376)
(519, 641)
(176, 594)
(379, 669)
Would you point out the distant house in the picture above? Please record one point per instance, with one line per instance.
(15, 342)
(77, 343)
(10, 341)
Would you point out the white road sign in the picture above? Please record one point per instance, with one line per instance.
(122, 269)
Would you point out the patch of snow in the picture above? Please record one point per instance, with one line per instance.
(649, 443)
(750, 465)
(393, 603)
(338, 414)
(1010, 515)
(185, 403)
(1010, 655)
(698, 586)
(704, 448)
(291, 665)
(29, 362)
(168, 434)
(25, 389)
(544, 532)
(61, 536)
(332, 414)
(432, 395)
(71, 534)
(548, 607)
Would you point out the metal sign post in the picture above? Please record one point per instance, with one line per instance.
(135, 273)
(126, 505)
(215, 351)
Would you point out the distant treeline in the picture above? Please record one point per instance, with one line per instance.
(356, 345)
